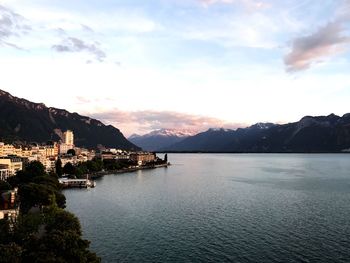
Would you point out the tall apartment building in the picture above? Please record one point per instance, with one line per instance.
(68, 138)
(68, 142)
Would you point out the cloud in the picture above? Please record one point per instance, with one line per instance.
(87, 28)
(82, 100)
(14, 25)
(326, 41)
(11, 24)
(329, 40)
(148, 120)
(72, 44)
(250, 5)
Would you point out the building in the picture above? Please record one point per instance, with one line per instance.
(76, 183)
(8, 205)
(64, 148)
(68, 142)
(122, 156)
(69, 159)
(50, 164)
(12, 163)
(52, 150)
(7, 149)
(108, 156)
(142, 158)
(68, 138)
(4, 172)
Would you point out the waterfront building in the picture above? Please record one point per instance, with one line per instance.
(119, 155)
(122, 156)
(142, 158)
(12, 163)
(76, 183)
(108, 156)
(115, 151)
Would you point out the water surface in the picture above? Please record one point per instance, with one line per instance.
(222, 208)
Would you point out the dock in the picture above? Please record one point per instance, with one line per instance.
(77, 183)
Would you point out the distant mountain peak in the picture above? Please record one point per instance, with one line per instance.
(263, 125)
(219, 130)
(134, 135)
(311, 134)
(160, 138)
(170, 133)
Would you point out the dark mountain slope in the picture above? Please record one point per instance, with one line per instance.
(23, 120)
(311, 134)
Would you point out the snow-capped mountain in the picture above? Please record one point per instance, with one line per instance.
(159, 139)
(311, 134)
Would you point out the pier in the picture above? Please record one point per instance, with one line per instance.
(77, 183)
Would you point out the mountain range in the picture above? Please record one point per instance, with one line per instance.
(25, 121)
(159, 139)
(309, 135)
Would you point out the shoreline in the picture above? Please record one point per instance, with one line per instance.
(97, 175)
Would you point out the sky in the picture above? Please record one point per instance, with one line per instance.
(180, 64)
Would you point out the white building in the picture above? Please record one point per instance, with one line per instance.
(12, 163)
(4, 172)
(68, 142)
(68, 138)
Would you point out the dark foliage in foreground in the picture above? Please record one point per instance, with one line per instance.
(44, 232)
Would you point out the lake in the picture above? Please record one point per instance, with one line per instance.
(222, 208)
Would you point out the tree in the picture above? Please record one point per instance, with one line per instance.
(32, 170)
(32, 195)
(52, 234)
(60, 199)
(95, 165)
(71, 152)
(63, 220)
(10, 253)
(60, 246)
(58, 167)
(35, 168)
(4, 186)
(4, 231)
(69, 169)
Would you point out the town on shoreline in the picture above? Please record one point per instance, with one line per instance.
(33, 220)
(74, 166)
